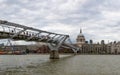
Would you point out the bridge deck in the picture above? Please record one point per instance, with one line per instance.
(6, 35)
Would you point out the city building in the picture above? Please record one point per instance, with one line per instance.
(80, 39)
(88, 47)
(115, 47)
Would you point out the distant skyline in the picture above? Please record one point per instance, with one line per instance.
(99, 19)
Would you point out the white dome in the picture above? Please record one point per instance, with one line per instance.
(81, 35)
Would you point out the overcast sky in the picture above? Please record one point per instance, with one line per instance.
(99, 19)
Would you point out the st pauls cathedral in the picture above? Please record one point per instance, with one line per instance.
(88, 47)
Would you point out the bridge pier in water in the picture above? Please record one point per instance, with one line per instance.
(54, 54)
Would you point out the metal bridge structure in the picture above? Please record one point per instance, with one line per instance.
(15, 32)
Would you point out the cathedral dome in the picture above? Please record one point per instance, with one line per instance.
(80, 39)
(80, 34)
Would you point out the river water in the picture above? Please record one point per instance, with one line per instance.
(66, 65)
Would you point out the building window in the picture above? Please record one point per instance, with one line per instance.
(81, 40)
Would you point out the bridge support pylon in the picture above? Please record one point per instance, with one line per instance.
(54, 47)
(54, 54)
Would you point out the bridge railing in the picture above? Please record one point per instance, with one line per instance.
(15, 31)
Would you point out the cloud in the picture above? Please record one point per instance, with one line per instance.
(99, 19)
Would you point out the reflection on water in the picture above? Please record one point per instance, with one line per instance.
(66, 65)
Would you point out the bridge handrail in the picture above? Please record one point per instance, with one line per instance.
(25, 27)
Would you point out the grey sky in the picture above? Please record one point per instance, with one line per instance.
(99, 19)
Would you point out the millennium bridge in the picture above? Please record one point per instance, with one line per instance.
(15, 32)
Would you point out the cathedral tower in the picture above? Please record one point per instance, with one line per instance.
(80, 39)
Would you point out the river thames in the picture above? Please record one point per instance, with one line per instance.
(66, 65)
